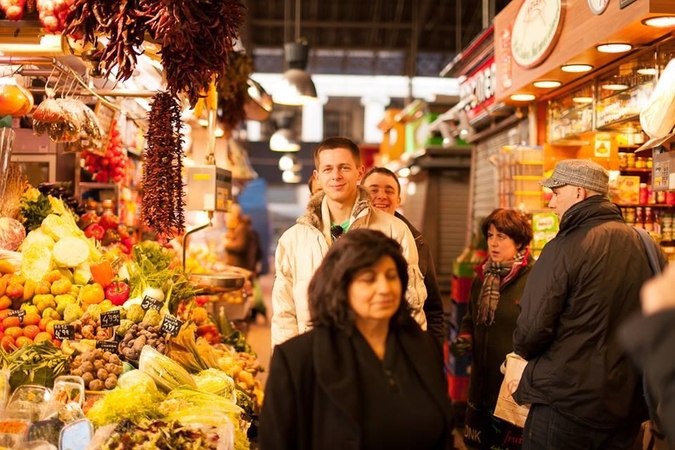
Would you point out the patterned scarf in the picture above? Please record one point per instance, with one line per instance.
(495, 275)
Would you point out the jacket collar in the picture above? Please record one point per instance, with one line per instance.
(596, 208)
(335, 366)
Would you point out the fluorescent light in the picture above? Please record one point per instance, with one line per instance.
(614, 87)
(523, 97)
(583, 100)
(614, 48)
(288, 176)
(547, 84)
(660, 21)
(576, 68)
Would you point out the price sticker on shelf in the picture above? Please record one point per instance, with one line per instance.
(63, 331)
(108, 346)
(151, 303)
(110, 319)
(171, 325)
(20, 313)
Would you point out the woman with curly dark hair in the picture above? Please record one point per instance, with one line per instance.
(487, 328)
(366, 376)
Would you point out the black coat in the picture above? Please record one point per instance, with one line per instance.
(651, 343)
(585, 284)
(491, 344)
(433, 305)
(312, 396)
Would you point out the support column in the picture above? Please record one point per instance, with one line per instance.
(372, 116)
(312, 121)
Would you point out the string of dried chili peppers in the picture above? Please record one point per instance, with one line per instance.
(196, 37)
(162, 209)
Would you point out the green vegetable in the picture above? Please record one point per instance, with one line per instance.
(124, 326)
(135, 313)
(95, 312)
(166, 373)
(72, 312)
(37, 363)
(129, 403)
(152, 318)
(214, 381)
(34, 209)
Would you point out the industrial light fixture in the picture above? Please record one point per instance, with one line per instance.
(582, 100)
(296, 87)
(660, 21)
(288, 176)
(289, 162)
(576, 68)
(649, 71)
(523, 97)
(283, 141)
(614, 47)
(547, 84)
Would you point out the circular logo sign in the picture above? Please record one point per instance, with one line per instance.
(598, 6)
(535, 31)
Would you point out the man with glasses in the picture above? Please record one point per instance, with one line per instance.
(385, 194)
(342, 206)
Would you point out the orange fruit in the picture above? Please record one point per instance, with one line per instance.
(5, 313)
(30, 331)
(7, 343)
(31, 319)
(56, 343)
(5, 302)
(23, 340)
(14, 332)
(50, 326)
(43, 323)
(42, 336)
(9, 322)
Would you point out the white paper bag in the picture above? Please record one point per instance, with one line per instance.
(507, 408)
(657, 118)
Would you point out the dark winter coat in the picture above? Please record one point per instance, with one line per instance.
(312, 398)
(585, 284)
(433, 305)
(491, 344)
(651, 343)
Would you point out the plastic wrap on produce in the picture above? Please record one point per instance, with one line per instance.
(12, 233)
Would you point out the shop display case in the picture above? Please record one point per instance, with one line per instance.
(572, 115)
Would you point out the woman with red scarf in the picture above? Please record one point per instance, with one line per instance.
(487, 328)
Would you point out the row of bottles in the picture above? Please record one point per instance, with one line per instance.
(656, 221)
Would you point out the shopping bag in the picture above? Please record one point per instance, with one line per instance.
(507, 409)
(657, 118)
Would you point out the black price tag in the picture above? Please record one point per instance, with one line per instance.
(151, 303)
(108, 346)
(110, 319)
(171, 325)
(20, 313)
(63, 331)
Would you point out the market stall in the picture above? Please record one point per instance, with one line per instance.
(110, 336)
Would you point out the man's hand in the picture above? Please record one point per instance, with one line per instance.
(658, 293)
(460, 346)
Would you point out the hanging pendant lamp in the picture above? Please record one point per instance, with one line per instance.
(296, 87)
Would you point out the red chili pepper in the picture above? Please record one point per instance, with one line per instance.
(117, 292)
(94, 230)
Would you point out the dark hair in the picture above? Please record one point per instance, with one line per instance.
(329, 288)
(512, 223)
(332, 143)
(383, 171)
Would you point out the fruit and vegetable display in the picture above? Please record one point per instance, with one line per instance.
(108, 332)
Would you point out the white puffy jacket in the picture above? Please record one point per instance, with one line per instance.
(302, 247)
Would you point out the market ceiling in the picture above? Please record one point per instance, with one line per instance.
(366, 37)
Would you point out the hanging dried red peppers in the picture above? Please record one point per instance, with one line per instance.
(196, 37)
(163, 206)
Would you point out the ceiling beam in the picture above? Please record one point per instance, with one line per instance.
(348, 25)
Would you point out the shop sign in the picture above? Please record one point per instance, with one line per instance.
(478, 90)
(536, 31)
(598, 6)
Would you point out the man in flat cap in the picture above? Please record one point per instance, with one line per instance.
(583, 390)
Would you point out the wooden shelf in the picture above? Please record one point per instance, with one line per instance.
(636, 170)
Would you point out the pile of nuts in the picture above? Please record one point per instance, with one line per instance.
(141, 334)
(98, 369)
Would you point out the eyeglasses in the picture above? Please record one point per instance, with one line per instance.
(336, 231)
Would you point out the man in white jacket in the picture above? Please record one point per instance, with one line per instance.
(341, 206)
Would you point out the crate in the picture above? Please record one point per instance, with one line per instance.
(461, 288)
(458, 388)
